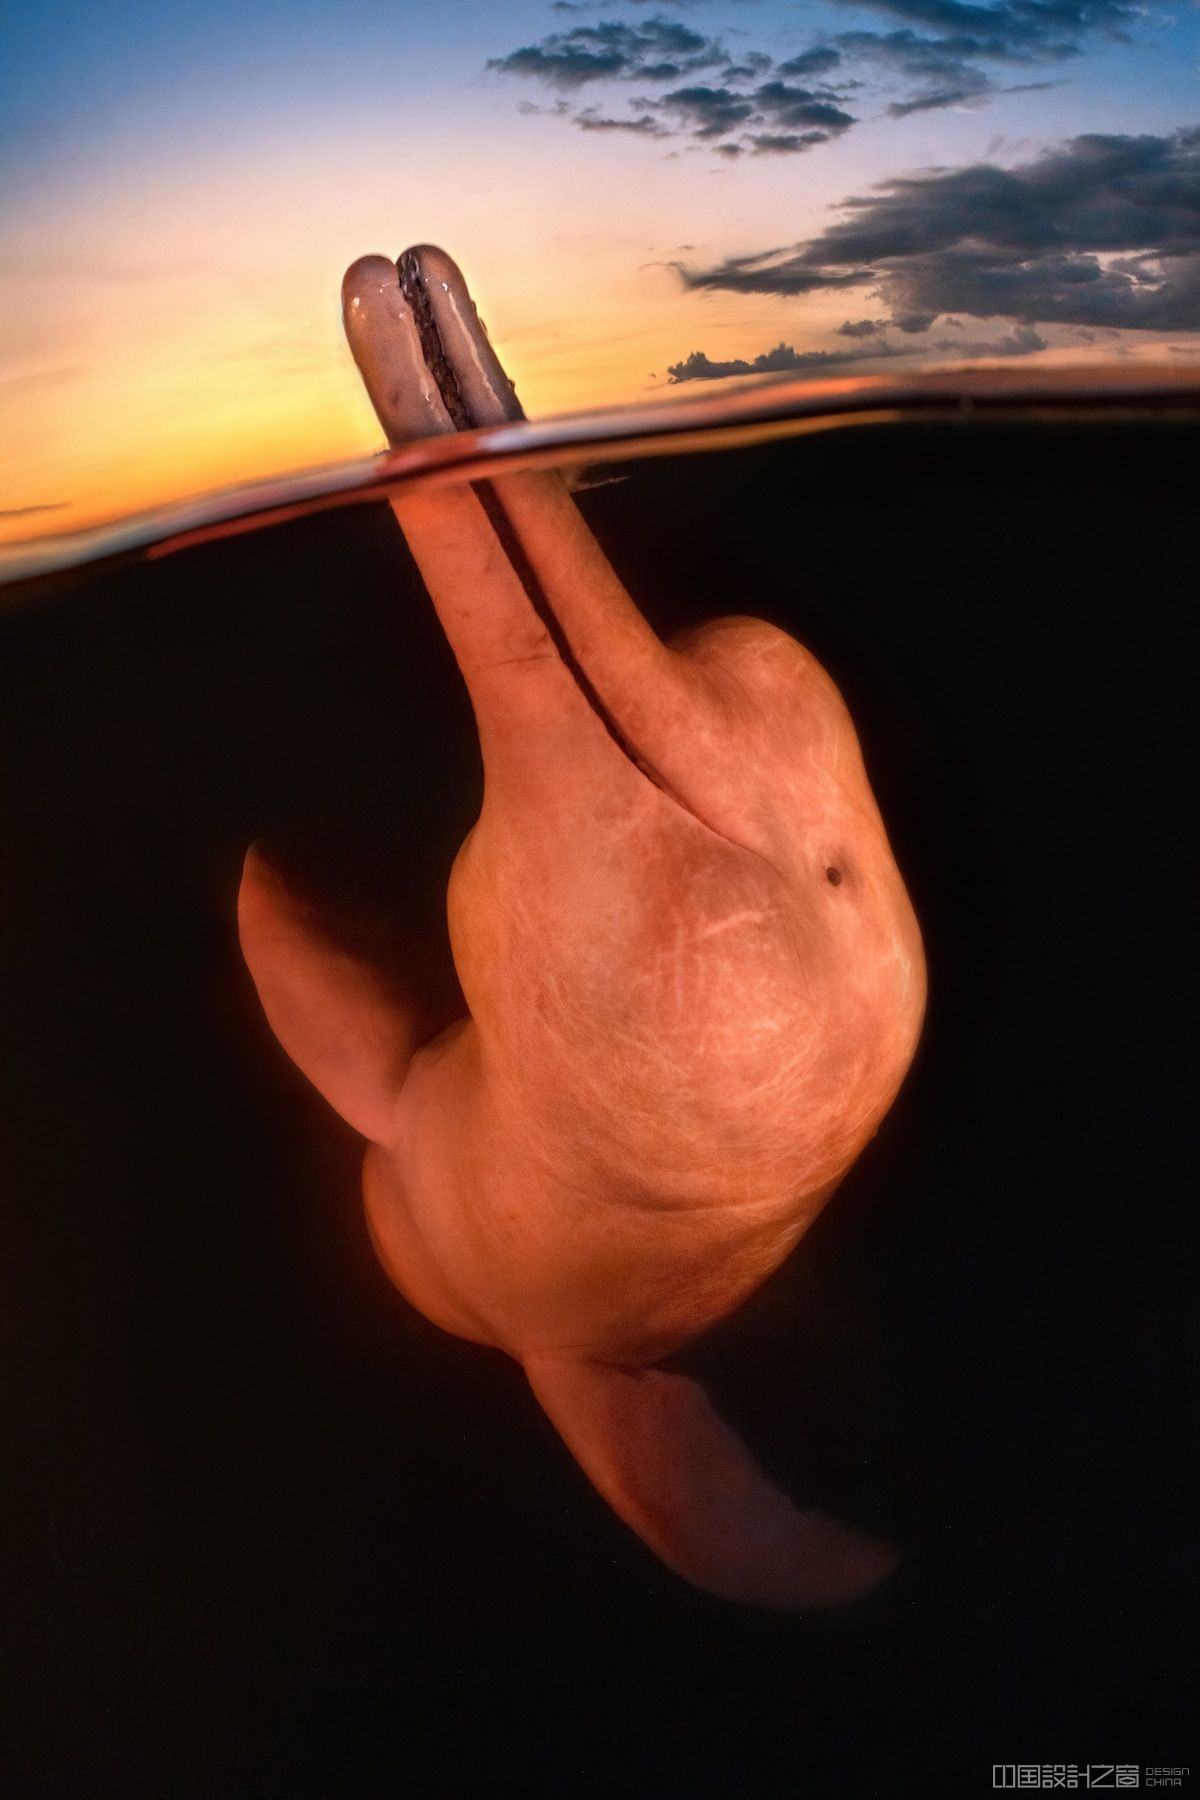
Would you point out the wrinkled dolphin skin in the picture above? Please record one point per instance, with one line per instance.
(694, 980)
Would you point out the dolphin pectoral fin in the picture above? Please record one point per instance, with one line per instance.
(683, 1481)
(331, 1011)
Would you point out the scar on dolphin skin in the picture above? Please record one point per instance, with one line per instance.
(693, 976)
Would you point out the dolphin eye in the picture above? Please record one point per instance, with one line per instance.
(833, 877)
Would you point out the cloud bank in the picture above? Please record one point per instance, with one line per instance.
(937, 53)
(1022, 341)
(1103, 231)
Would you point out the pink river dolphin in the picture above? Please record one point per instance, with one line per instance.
(693, 976)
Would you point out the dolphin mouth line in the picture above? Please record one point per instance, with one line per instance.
(437, 361)
(440, 364)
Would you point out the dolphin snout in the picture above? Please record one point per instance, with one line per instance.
(421, 347)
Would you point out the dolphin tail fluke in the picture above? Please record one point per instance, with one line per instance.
(667, 1464)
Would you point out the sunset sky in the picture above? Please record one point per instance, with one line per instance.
(641, 193)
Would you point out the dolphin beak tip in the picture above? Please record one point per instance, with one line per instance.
(431, 263)
(366, 276)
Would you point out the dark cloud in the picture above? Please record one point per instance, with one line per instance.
(1015, 30)
(945, 70)
(794, 118)
(795, 107)
(772, 273)
(1021, 341)
(929, 60)
(707, 112)
(612, 50)
(937, 99)
(748, 69)
(568, 66)
(947, 80)
(946, 67)
(642, 126)
(817, 61)
(785, 143)
(940, 53)
(27, 512)
(784, 357)
(1103, 231)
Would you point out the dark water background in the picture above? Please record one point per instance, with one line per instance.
(270, 1533)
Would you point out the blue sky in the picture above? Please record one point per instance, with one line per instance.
(642, 193)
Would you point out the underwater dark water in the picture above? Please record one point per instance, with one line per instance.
(268, 1530)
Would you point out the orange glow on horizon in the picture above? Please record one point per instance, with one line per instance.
(136, 436)
(189, 338)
